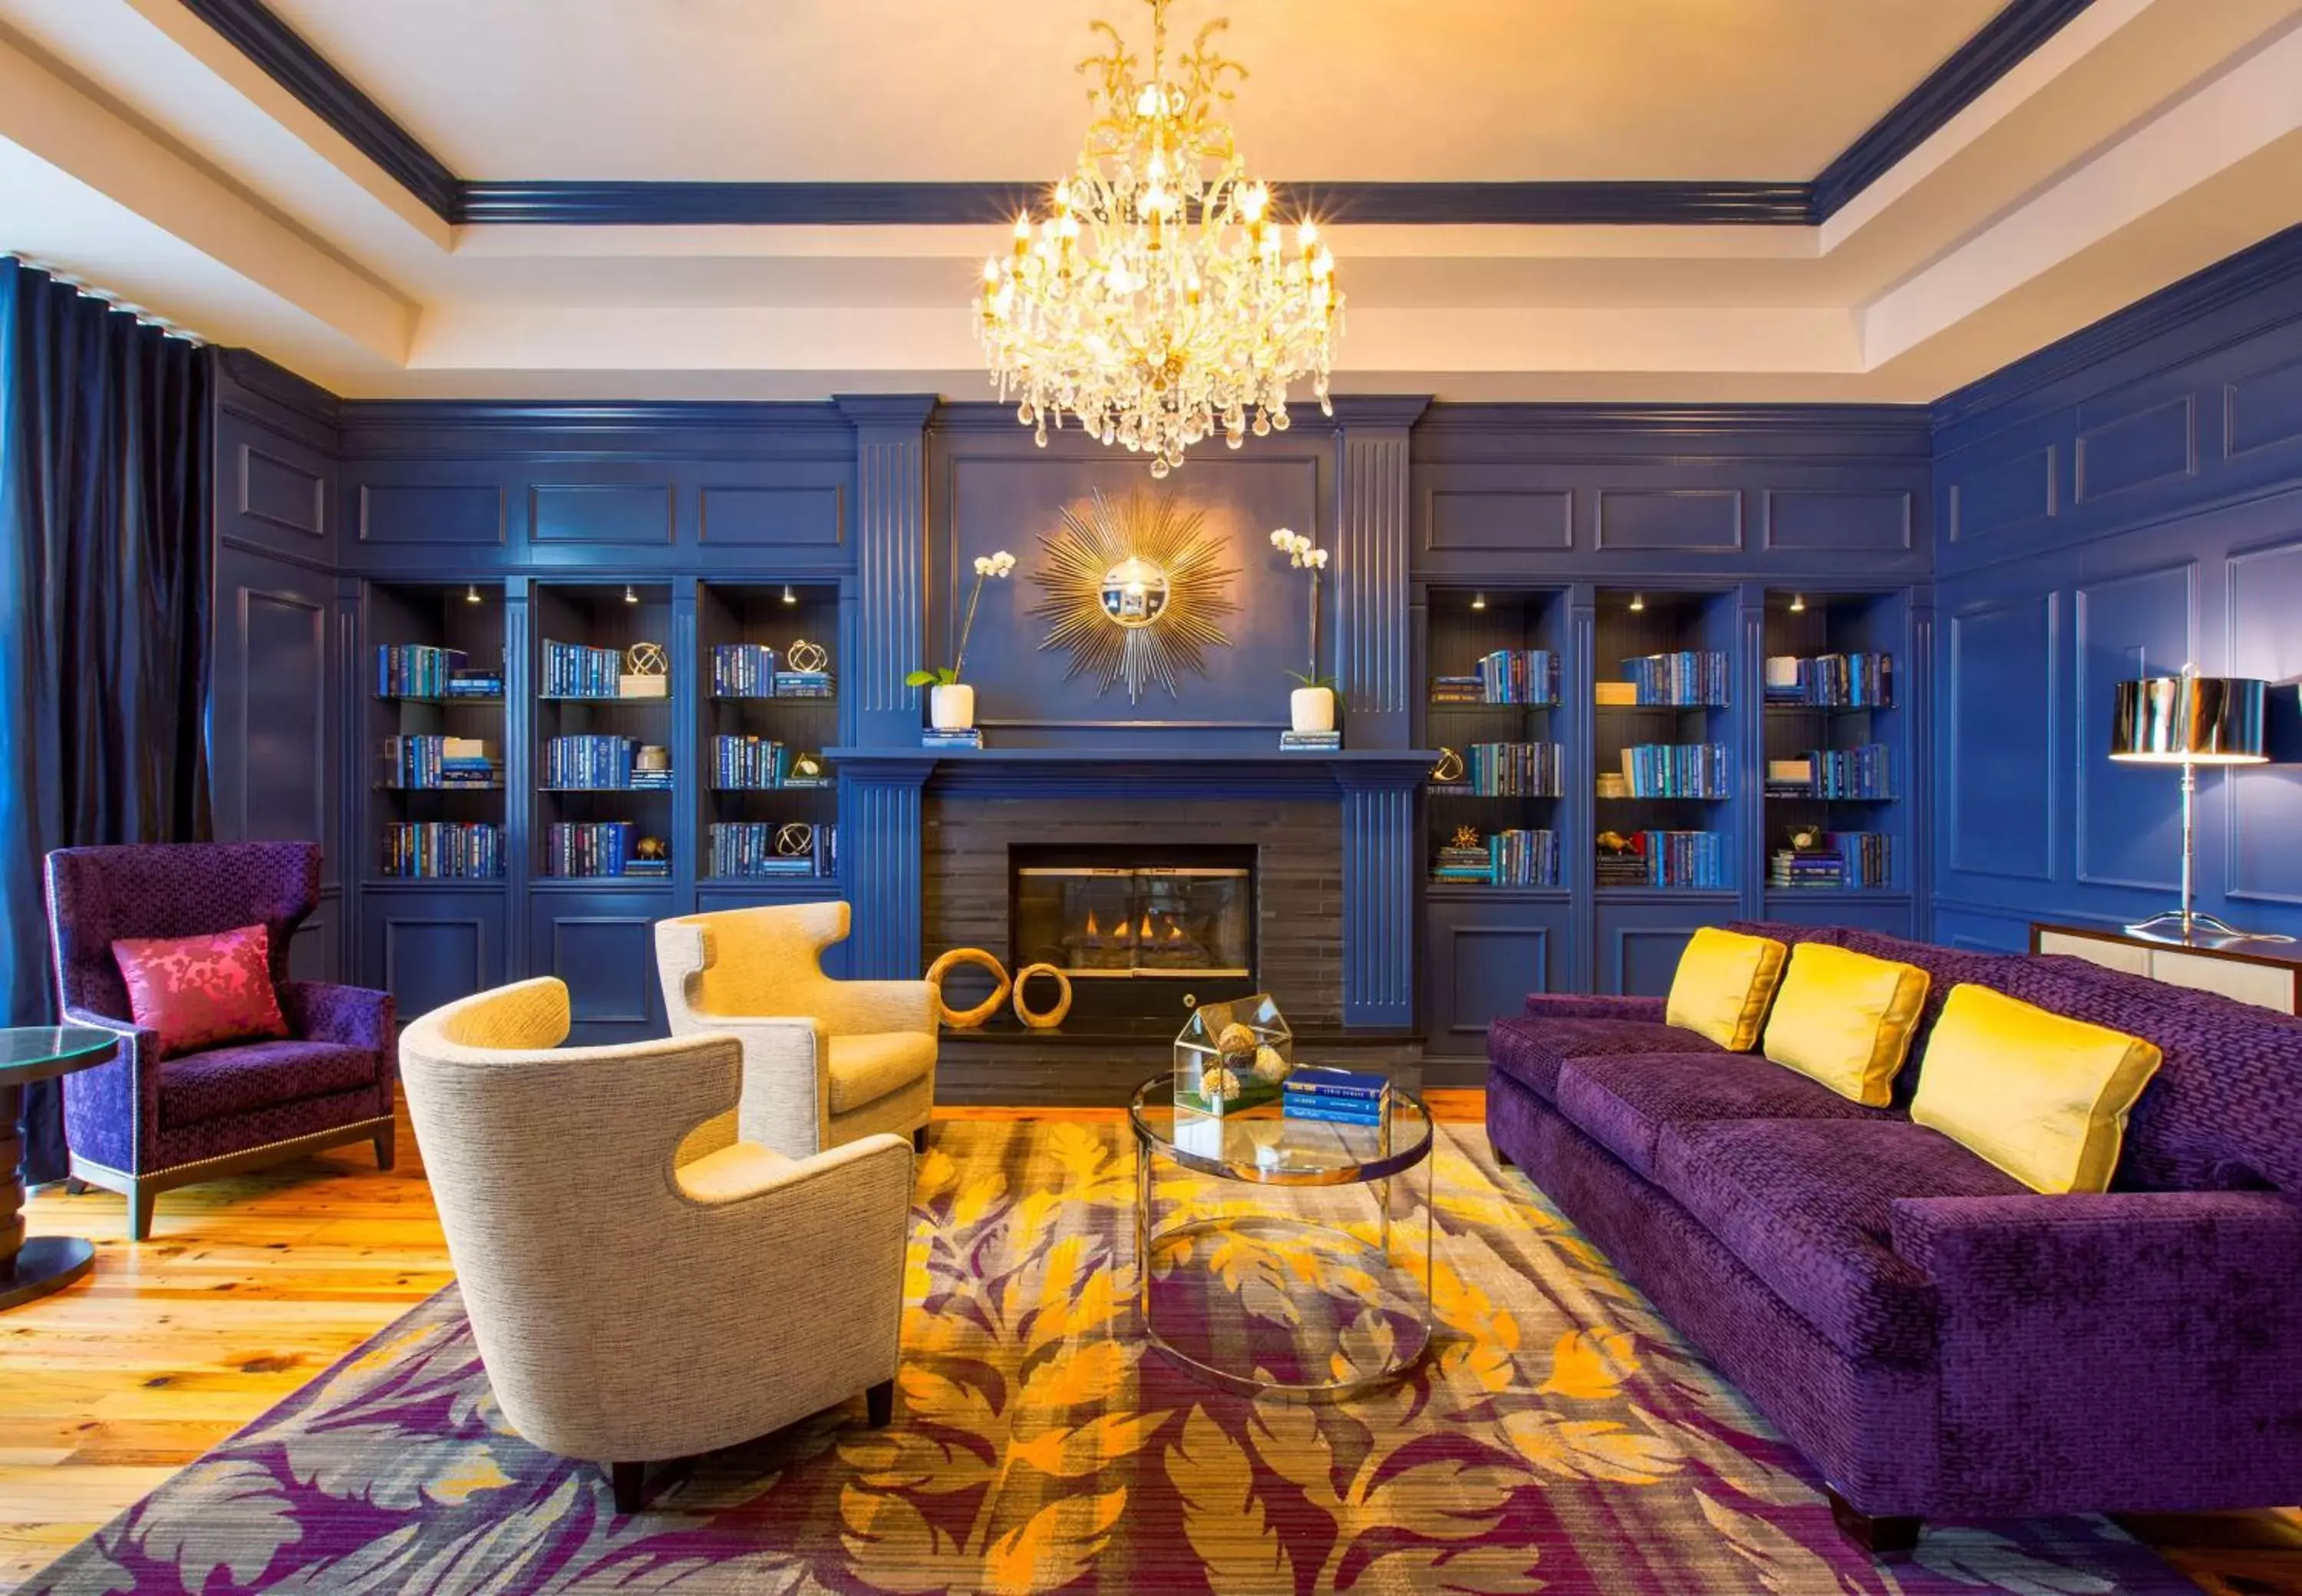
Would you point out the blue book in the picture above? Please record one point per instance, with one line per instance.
(1333, 1082)
(1331, 1116)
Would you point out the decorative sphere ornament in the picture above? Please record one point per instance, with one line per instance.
(795, 839)
(1448, 770)
(647, 660)
(1270, 1066)
(804, 655)
(1235, 1037)
(1219, 1085)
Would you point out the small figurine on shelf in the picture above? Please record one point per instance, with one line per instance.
(647, 672)
(1466, 836)
(651, 857)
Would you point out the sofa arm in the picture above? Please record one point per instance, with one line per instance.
(323, 1012)
(113, 1110)
(2072, 1329)
(1571, 1005)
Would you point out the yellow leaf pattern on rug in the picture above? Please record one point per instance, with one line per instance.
(1588, 1449)
(1055, 1548)
(1591, 1365)
(1222, 1519)
(1074, 1454)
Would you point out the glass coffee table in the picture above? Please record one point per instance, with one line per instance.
(1278, 1256)
(43, 1263)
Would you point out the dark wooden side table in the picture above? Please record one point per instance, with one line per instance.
(43, 1264)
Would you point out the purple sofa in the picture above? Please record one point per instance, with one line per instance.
(1938, 1340)
(139, 1124)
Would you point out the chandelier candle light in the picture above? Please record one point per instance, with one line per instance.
(1310, 708)
(1157, 301)
(950, 703)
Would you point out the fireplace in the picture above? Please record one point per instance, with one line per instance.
(1140, 931)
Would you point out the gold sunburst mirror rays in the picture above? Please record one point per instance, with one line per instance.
(1133, 589)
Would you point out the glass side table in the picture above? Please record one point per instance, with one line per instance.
(1282, 1257)
(43, 1264)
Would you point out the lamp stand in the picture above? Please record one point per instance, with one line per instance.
(2187, 925)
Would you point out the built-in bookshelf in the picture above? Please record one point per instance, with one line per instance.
(606, 685)
(1664, 783)
(768, 805)
(1494, 693)
(435, 731)
(1833, 783)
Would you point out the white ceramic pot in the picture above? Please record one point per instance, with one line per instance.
(1312, 709)
(952, 707)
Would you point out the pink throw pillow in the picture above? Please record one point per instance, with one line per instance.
(202, 991)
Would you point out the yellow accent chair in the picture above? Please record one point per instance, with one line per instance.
(825, 1061)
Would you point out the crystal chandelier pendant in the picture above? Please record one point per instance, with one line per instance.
(1158, 301)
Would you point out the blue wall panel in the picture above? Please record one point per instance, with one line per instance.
(1482, 957)
(791, 517)
(2174, 540)
(1673, 520)
(602, 942)
(639, 514)
(1838, 520)
(468, 514)
(431, 943)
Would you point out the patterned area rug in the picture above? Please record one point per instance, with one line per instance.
(1559, 1438)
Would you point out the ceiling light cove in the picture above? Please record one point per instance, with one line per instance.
(1158, 300)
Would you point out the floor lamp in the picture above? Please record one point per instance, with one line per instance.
(2190, 720)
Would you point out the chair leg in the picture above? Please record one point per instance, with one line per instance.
(141, 1199)
(75, 1186)
(1502, 1159)
(1888, 1536)
(879, 1405)
(624, 1478)
(387, 1142)
(920, 1139)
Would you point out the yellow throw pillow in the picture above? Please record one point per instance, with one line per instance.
(1845, 1018)
(2042, 1096)
(1724, 983)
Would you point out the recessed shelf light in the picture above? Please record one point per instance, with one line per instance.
(471, 592)
(1798, 603)
(1638, 602)
(1478, 601)
(790, 597)
(630, 596)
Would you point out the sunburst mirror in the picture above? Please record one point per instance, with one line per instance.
(1133, 589)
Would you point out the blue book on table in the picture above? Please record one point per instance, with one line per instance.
(1327, 1081)
(1297, 1110)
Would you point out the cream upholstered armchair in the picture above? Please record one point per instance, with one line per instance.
(824, 1061)
(643, 1285)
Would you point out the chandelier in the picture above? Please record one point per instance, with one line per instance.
(1157, 301)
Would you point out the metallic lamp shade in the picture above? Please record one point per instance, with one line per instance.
(2190, 720)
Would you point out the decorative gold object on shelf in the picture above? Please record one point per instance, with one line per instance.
(969, 1019)
(1049, 1018)
(651, 847)
(1157, 301)
(795, 840)
(804, 655)
(808, 768)
(1466, 836)
(646, 660)
(1613, 784)
(1448, 770)
(652, 756)
(1130, 590)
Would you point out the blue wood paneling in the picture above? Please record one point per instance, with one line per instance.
(1482, 956)
(429, 943)
(2128, 627)
(602, 512)
(470, 514)
(2003, 703)
(1992, 495)
(2262, 409)
(2118, 452)
(1484, 513)
(1640, 936)
(1839, 520)
(1669, 520)
(794, 518)
(602, 942)
(283, 491)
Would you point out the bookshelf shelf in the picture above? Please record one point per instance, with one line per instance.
(747, 631)
(420, 828)
(1842, 653)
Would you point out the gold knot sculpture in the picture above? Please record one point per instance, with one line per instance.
(804, 655)
(646, 660)
(969, 1019)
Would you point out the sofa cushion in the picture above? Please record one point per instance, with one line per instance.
(1625, 1102)
(1723, 984)
(1805, 1204)
(1530, 1051)
(201, 991)
(866, 1068)
(222, 1081)
(1845, 1019)
(1946, 968)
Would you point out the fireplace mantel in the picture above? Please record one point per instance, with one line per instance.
(1147, 772)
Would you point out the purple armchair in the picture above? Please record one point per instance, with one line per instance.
(141, 1125)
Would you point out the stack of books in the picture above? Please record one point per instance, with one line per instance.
(1693, 859)
(748, 848)
(1519, 676)
(739, 763)
(742, 670)
(1806, 868)
(580, 762)
(434, 762)
(803, 684)
(442, 849)
(1292, 741)
(571, 670)
(652, 781)
(1690, 677)
(1464, 864)
(968, 737)
(1514, 858)
(657, 868)
(1790, 779)
(1851, 772)
(1336, 1096)
(1458, 690)
(1868, 855)
(1514, 770)
(588, 848)
(417, 670)
(1677, 770)
(1847, 681)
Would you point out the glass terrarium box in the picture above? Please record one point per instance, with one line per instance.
(1233, 1056)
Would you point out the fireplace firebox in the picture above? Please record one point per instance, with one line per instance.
(1140, 931)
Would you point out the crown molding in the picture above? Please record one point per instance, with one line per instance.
(2005, 42)
(252, 28)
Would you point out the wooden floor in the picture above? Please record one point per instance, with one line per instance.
(249, 1287)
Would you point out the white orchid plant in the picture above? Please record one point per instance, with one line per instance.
(1302, 557)
(987, 566)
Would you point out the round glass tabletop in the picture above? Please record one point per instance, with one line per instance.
(1263, 1145)
(33, 1051)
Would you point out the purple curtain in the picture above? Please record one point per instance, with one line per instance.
(105, 569)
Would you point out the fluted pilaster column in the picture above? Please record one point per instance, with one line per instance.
(1374, 642)
(891, 562)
